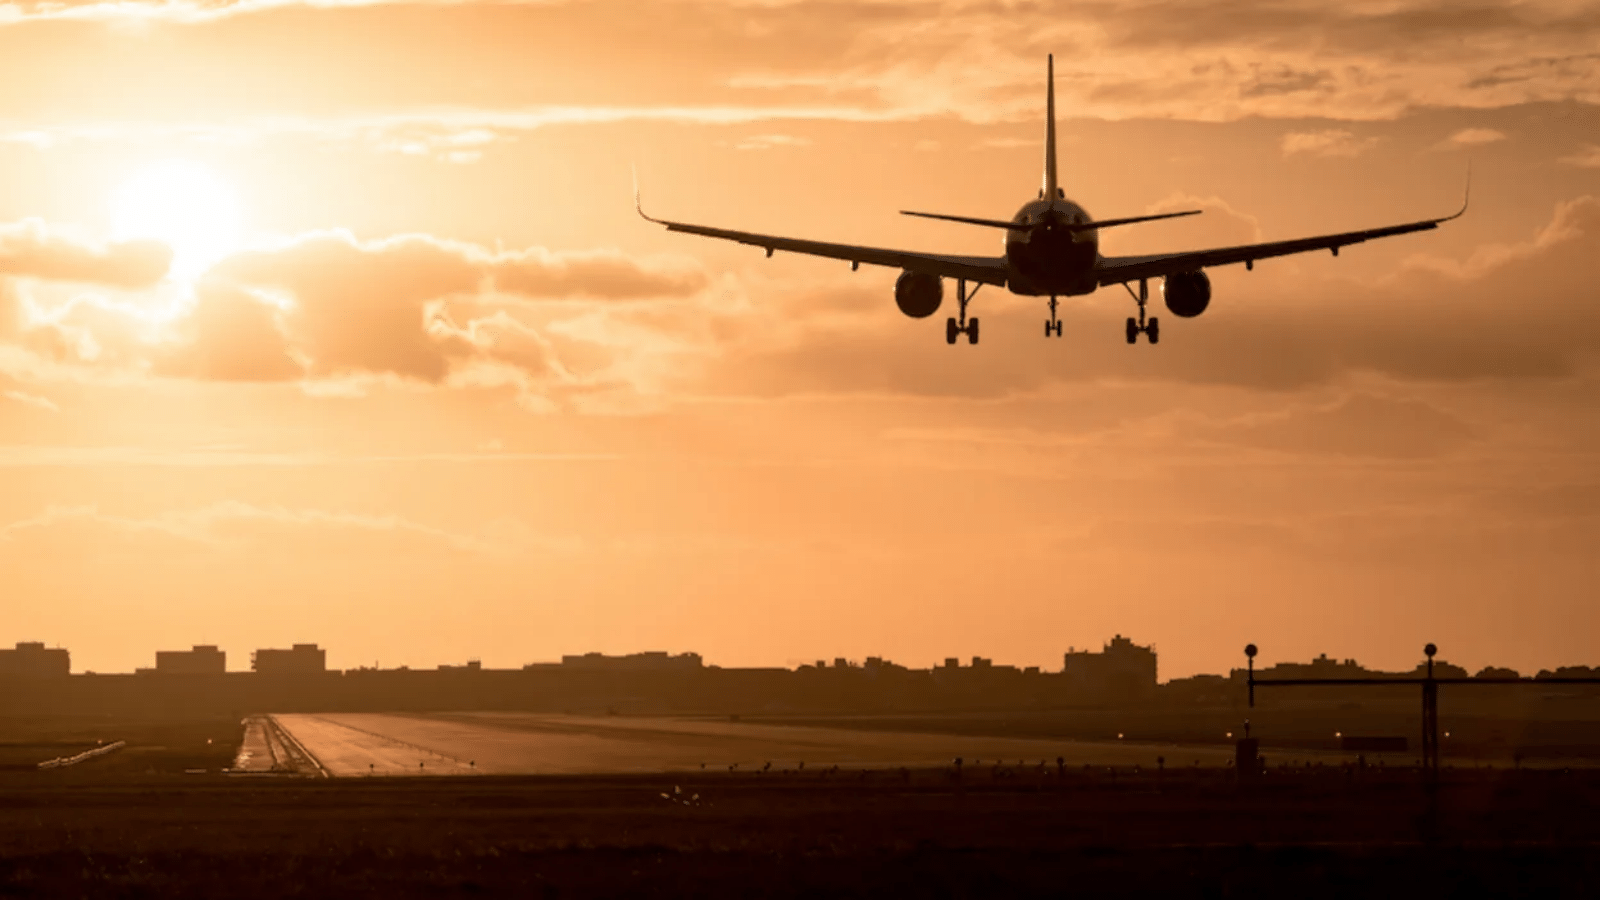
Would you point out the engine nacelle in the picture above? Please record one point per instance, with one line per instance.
(918, 294)
(1187, 293)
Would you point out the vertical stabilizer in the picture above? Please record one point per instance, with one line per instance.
(1050, 187)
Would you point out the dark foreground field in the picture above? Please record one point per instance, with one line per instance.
(1022, 832)
(135, 823)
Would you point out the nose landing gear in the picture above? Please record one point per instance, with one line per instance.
(1150, 329)
(954, 327)
(1052, 325)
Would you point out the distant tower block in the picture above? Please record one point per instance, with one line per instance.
(302, 659)
(1122, 671)
(648, 661)
(35, 660)
(204, 659)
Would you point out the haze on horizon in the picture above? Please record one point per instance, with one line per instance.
(359, 340)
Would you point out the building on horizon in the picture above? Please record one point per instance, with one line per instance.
(1323, 666)
(301, 659)
(204, 659)
(648, 661)
(32, 659)
(1122, 670)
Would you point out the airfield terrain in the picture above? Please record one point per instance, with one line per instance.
(159, 818)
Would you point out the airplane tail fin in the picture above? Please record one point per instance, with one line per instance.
(1051, 186)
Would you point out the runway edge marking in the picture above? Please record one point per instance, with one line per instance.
(298, 747)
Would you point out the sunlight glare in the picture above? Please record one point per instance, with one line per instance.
(185, 206)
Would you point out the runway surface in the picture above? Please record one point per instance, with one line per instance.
(498, 743)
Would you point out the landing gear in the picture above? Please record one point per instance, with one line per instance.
(1150, 329)
(953, 326)
(1052, 325)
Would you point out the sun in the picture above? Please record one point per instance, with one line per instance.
(184, 205)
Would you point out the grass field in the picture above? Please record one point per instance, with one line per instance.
(875, 833)
(153, 747)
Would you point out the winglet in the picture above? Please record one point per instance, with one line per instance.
(637, 203)
(1466, 196)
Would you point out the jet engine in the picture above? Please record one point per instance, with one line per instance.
(918, 294)
(1187, 293)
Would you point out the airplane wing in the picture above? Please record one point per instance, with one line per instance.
(1121, 269)
(981, 269)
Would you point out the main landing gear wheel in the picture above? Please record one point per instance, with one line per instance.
(954, 327)
(1136, 327)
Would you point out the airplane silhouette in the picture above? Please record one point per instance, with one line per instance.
(1052, 249)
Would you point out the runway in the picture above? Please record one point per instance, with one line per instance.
(497, 743)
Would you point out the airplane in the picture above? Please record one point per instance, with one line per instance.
(1052, 249)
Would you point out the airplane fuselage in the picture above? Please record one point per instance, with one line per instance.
(1043, 258)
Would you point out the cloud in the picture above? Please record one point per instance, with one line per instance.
(231, 522)
(1217, 61)
(341, 315)
(224, 456)
(31, 249)
(186, 12)
(1587, 158)
(230, 335)
(1472, 137)
(429, 139)
(12, 318)
(1356, 424)
(107, 329)
(353, 306)
(1336, 142)
(43, 403)
(609, 274)
(407, 305)
(914, 59)
(460, 131)
(771, 141)
(1007, 143)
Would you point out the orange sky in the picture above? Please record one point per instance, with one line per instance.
(333, 322)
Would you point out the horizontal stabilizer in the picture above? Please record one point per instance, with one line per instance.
(1080, 226)
(1109, 223)
(991, 223)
